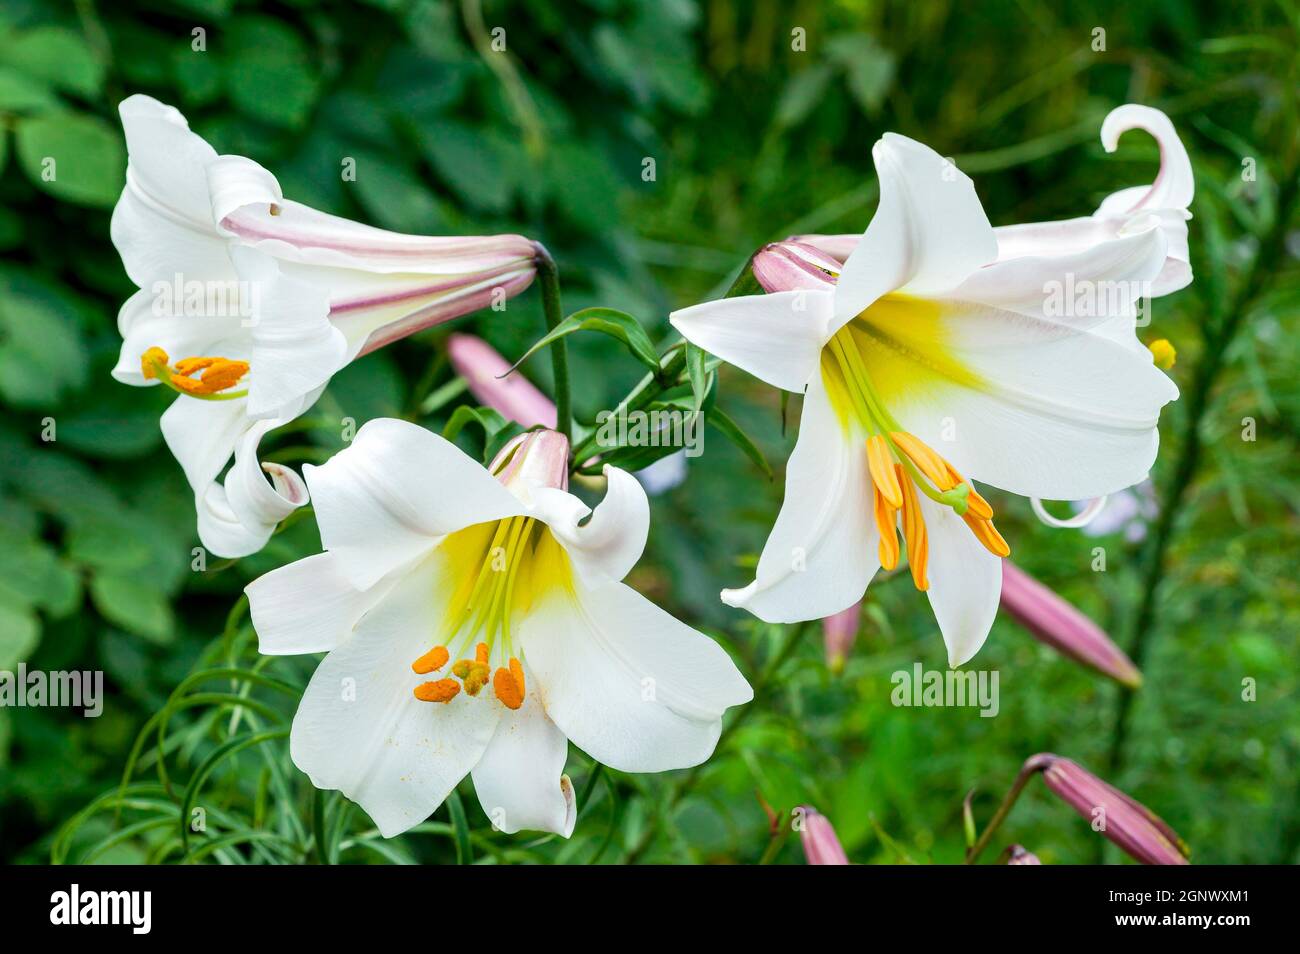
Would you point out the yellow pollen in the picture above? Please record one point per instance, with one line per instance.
(509, 684)
(431, 661)
(1163, 353)
(444, 690)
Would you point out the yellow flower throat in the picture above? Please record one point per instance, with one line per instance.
(500, 570)
(899, 463)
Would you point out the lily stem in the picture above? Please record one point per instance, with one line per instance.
(548, 276)
(1027, 771)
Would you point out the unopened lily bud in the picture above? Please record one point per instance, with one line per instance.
(512, 395)
(1132, 826)
(1017, 855)
(788, 266)
(1055, 622)
(535, 459)
(840, 630)
(820, 844)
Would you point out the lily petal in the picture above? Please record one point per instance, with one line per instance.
(630, 685)
(1027, 405)
(236, 518)
(928, 234)
(520, 780)
(202, 435)
(965, 582)
(295, 347)
(307, 606)
(777, 337)
(162, 224)
(1116, 273)
(360, 729)
(393, 492)
(609, 544)
(1175, 185)
(822, 550)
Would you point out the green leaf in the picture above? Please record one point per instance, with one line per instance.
(41, 353)
(471, 162)
(731, 430)
(20, 632)
(609, 321)
(698, 375)
(130, 602)
(57, 56)
(395, 196)
(198, 75)
(802, 93)
(32, 575)
(745, 283)
(20, 93)
(73, 157)
(270, 72)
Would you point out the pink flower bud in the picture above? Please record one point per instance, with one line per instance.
(1055, 622)
(820, 845)
(1137, 830)
(788, 266)
(533, 459)
(514, 397)
(1017, 855)
(839, 631)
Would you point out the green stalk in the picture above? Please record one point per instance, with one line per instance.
(548, 276)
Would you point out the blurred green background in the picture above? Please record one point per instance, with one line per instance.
(752, 141)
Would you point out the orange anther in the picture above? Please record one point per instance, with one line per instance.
(444, 690)
(881, 465)
(509, 684)
(435, 658)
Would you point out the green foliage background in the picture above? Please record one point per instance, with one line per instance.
(752, 141)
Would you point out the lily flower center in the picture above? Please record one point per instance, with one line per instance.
(500, 570)
(900, 464)
(206, 378)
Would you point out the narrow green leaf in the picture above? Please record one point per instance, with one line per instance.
(609, 321)
(731, 430)
(464, 851)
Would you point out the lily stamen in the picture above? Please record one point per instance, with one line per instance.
(509, 684)
(900, 466)
(501, 570)
(444, 690)
(217, 374)
(431, 661)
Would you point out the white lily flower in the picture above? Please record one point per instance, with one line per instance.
(1119, 216)
(473, 624)
(925, 340)
(250, 302)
